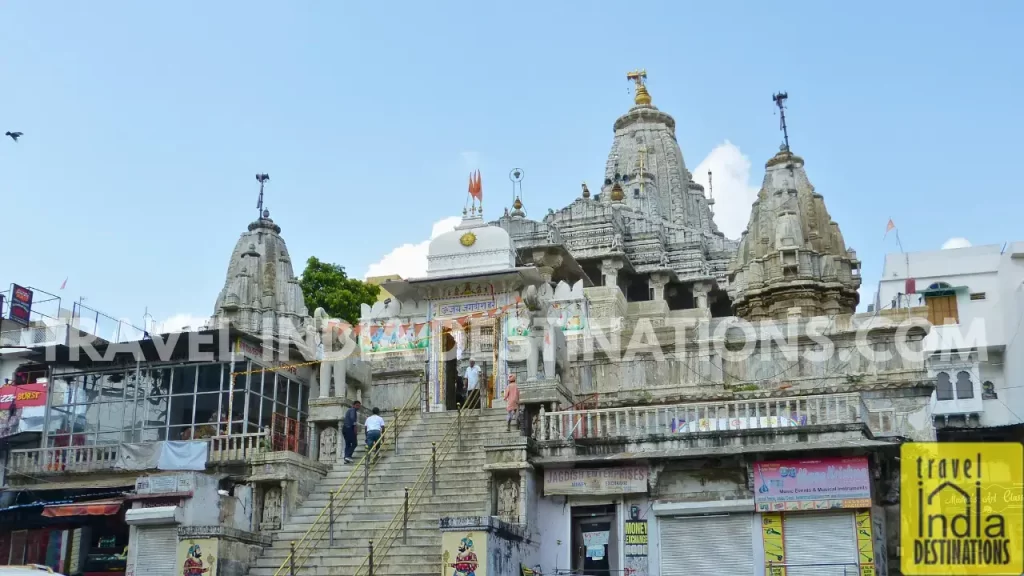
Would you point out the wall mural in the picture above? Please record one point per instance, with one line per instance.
(464, 554)
(394, 337)
(197, 557)
(570, 316)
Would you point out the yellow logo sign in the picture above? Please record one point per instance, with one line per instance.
(468, 239)
(961, 509)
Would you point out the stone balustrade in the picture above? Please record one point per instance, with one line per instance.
(721, 416)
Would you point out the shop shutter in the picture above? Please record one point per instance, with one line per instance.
(820, 538)
(706, 545)
(156, 551)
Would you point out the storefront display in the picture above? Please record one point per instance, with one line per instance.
(712, 544)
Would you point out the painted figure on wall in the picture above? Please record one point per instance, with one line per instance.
(465, 561)
(193, 565)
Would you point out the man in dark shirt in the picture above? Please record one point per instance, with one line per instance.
(348, 430)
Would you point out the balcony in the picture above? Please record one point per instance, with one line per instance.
(80, 459)
(833, 417)
(33, 336)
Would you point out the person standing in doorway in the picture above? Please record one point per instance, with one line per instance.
(473, 382)
(512, 403)
(348, 430)
(374, 430)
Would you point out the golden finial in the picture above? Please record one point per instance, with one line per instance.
(586, 191)
(617, 194)
(642, 98)
(518, 204)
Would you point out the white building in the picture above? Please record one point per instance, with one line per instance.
(975, 300)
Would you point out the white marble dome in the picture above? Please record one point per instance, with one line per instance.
(473, 247)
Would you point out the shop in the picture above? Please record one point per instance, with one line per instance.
(706, 538)
(815, 516)
(589, 504)
(71, 533)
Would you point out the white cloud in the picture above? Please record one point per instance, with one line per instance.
(410, 260)
(180, 323)
(956, 242)
(732, 189)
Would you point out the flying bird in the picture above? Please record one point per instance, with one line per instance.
(14, 135)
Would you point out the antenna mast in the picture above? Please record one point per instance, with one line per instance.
(780, 101)
(262, 179)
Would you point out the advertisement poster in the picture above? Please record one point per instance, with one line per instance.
(635, 547)
(774, 545)
(819, 484)
(622, 480)
(464, 553)
(865, 543)
(20, 305)
(22, 408)
(197, 557)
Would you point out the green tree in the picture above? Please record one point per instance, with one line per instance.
(327, 286)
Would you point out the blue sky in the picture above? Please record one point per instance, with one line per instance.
(145, 123)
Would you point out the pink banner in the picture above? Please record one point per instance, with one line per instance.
(812, 484)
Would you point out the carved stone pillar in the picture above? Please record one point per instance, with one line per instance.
(700, 294)
(658, 282)
(610, 270)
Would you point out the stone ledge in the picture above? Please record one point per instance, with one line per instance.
(490, 524)
(224, 532)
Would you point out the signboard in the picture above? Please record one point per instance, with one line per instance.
(586, 481)
(635, 547)
(22, 408)
(21, 305)
(164, 484)
(774, 544)
(464, 308)
(812, 484)
(957, 512)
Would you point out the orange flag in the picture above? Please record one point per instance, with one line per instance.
(889, 227)
(475, 186)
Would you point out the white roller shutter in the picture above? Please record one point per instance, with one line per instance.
(706, 545)
(156, 552)
(820, 538)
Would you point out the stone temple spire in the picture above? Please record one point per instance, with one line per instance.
(261, 294)
(792, 260)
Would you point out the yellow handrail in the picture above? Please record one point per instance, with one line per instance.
(303, 549)
(383, 544)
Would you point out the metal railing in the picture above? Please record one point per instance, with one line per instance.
(323, 525)
(638, 421)
(399, 525)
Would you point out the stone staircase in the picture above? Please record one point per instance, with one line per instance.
(461, 491)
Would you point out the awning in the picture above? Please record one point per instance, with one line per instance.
(94, 508)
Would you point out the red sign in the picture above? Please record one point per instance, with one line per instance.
(24, 396)
(21, 305)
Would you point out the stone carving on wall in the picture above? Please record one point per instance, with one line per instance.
(508, 499)
(271, 519)
(328, 445)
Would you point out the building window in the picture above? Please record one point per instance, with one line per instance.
(183, 402)
(964, 386)
(977, 295)
(942, 309)
(943, 387)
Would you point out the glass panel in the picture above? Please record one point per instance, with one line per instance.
(209, 378)
(109, 417)
(258, 380)
(65, 389)
(293, 397)
(206, 408)
(67, 419)
(180, 432)
(281, 392)
(268, 409)
(109, 438)
(60, 440)
(159, 382)
(304, 400)
(106, 387)
(181, 409)
(183, 380)
(156, 411)
(154, 434)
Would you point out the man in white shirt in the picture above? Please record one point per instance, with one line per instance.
(374, 429)
(473, 381)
